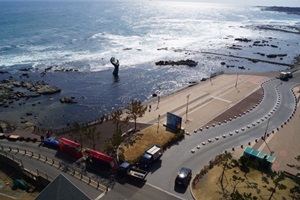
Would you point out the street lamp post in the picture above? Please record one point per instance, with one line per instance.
(265, 137)
(187, 108)
(158, 123)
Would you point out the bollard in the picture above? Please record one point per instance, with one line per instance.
(52, 161)
(17, 150)
(9, 148)
(89, 180)
(46, 159)
(232, 148)
(242, 146)
(256, 140)
(98, 184)
(39, 156)
(249, 143)
(1, 147)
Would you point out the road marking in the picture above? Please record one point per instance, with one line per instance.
(164, 191)
(221, 99)
(100, 196)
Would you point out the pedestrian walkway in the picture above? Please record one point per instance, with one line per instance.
(201, 103)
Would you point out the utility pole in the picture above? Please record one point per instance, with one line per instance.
(187, 108)
(265, 137)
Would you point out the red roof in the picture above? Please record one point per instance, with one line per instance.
(69, 142)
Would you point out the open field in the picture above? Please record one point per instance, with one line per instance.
(139, 142)
(255, 182)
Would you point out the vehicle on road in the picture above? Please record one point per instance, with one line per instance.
(126, 170)
(70, 147)
(50, 142)
(101, 160)
(151, 155)
(184, 176)
(284, 76)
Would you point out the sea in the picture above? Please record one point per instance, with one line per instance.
(83, 36)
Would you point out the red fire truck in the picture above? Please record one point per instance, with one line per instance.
(70, 147)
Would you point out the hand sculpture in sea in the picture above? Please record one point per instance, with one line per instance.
(115, 63)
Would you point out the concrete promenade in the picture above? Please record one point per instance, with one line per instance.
(199, 104)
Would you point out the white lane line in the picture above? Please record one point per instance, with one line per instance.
(218, 98)
(165, 191)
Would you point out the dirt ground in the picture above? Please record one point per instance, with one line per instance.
(209, 188)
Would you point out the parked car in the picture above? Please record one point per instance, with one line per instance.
(50, 142)
(184, 176)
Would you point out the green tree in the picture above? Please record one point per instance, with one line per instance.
(235, 181)
(277, 178)
(92, 134)
(112, 143)
(119, 120)
(238, 196)
(223, 161)
(134, 110)
(295, 191)
(78, 132)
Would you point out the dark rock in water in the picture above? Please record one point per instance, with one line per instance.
(223, 63)
(241, 67)
(69, 100)
(190, 63)
(276, 55)
(25, 69)
(154, 95)
(3, 72)
(242, 39)
(7, 91)
(28, 114)
(274, 46)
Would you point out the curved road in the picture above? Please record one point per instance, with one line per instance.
(276, 107)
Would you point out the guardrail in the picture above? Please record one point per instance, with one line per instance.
(52, 162)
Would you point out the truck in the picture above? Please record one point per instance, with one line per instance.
(70, 147)
(126, 170)
(151, 155)
(101, 160)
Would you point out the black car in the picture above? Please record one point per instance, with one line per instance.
(184, 176)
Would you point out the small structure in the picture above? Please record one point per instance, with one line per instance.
(62, 188)
(173, 121)
(265, 160)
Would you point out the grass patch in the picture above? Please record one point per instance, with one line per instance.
(255, 182)
(134, 147)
